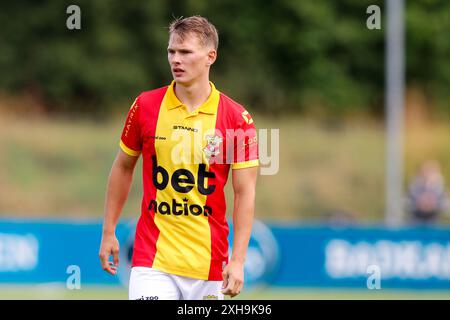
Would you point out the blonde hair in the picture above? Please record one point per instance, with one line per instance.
(205, 30)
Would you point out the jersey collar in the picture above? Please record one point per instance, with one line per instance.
(208, 107)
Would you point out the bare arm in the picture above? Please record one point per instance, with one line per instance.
(119, 184)
(244, 183)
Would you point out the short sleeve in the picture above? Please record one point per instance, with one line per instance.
(245, 143)
(130, 140)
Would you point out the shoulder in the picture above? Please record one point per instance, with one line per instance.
(230, 105)
(152, 97)
(235, 111)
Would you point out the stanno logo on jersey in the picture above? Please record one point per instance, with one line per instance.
(247, 117)
(176, 127)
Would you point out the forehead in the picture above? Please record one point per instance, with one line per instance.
(188, 39)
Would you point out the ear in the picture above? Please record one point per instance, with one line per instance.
(212, 56)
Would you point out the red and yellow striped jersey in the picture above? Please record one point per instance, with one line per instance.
(183, 229)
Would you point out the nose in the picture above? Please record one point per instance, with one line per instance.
(174, 58)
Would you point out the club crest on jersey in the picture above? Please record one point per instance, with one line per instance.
(212, 146)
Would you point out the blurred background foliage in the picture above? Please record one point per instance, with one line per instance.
(314, 57)
(311, 69)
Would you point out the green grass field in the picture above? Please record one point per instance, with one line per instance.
(58, 292)
(59, 168)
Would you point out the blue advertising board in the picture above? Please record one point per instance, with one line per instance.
(37, 251)
(347, 257)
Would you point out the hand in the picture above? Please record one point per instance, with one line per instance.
(233, 278)
(108, 247)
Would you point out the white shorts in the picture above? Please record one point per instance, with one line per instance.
(151, 284)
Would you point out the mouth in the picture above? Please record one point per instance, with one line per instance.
(177, 71)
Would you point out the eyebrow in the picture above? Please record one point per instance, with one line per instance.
(181, 50)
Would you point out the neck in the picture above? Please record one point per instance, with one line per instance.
(193, 95)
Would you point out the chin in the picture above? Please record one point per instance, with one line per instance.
(183, 82)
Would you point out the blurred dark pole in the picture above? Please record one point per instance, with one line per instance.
(395, 83)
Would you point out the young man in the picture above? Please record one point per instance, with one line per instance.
(189, 135)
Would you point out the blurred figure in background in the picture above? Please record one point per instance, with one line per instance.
(427, 196)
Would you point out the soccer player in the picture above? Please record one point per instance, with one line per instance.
(189, 135)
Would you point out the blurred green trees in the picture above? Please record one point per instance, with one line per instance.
(284, 55)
